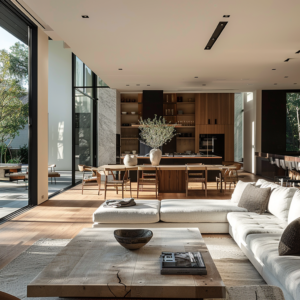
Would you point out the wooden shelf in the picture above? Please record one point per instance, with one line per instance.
(169, 102)
(185, 126)
(129, 103)
(186, 115)
(185, 102)
(131, 127)
(186, 138)
(170, 116)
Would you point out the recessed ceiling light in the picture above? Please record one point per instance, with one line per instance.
(138, 85)
(298, 52)
(286, 76)
(249, 84)
(148, 84)
(275, 83)
(273, 69)
(85, 16)
(287, 60)
(127, 84)
(226, 16)
(196, 77)
(215, 35)
(203, 84)
(120, 69)
(295, 83)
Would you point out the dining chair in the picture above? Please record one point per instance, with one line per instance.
(190, 176)
(91, 176)
(148, 179)
(122, 182)
(228, 175)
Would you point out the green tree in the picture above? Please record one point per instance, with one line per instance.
(292, 121)
(13, 113)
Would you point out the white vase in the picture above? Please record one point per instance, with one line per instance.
(155, 157)
(130, 160)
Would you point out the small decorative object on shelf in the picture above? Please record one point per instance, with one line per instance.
(155, 133)
(130, 160)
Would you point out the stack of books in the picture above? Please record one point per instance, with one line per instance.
(178, 263)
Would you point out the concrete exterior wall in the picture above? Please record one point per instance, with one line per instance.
(60, 106)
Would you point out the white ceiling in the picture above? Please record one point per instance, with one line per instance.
(161, 42)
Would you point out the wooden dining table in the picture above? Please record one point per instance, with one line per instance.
(171, 177)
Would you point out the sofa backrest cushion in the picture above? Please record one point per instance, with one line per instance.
(269, 184)
(294, 211)
(259, 182)
(238, 191)
(280, 202)
(255, 199)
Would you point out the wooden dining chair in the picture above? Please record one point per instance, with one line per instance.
(5, 296)
(228, 176)
(122, 182)
(147, 180)
(190, 176)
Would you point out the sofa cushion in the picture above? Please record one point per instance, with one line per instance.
(272, 185)
(294, 211)
(290, 240)
(280, 202)
(255, 199)
(194, 210)
(245, 223)
(238, 191)
(259, 182)
(145, 211)
(286, 269)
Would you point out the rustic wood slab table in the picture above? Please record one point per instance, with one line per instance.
(93, 264)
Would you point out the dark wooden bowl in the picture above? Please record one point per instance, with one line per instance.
(133, 239)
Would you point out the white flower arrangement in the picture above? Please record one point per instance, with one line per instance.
(156, 132)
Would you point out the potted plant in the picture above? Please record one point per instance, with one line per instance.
(155, 133)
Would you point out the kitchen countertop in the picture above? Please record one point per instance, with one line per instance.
(181, 156)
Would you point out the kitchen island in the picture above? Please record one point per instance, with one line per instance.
(173, 180)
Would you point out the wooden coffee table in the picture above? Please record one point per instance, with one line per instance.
(93, 264)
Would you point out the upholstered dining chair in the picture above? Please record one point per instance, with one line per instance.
(150, 179)
(122, 182)
(197, 177)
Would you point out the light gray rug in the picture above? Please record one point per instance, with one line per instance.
(232, 264)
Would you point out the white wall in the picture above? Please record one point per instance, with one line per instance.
(252, 128)
(42, 126)
(60, 106)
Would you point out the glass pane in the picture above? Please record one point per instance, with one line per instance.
(292, 121)
(238, 127)
(84, 130)
(13, 123)
(88, 77)
(100, 82)
(79, 72)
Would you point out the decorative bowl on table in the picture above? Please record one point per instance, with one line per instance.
(133, 239)
(133, 113)
(124, 113)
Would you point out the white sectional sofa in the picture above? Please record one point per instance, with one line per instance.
(258, 236)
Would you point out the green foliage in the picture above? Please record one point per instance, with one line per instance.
(156, 132)
(4, 153)
(292, 122)
(14, 63)
(23, 152)
(15, 160)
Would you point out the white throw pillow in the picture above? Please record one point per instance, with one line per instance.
(280, 202)
(238, 191)
(294, 212)
(260, 182)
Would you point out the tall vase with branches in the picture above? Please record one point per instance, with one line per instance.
(155, 133)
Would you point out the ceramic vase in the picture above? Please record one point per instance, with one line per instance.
(155, 157)
(130, 160)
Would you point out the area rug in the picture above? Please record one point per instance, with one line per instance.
(233, 265)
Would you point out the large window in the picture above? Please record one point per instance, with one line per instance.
(292, 121)
(15, 105)
(85, 107)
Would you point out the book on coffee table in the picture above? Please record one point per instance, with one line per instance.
(178, 263)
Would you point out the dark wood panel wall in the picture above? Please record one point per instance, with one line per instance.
(214, 113)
